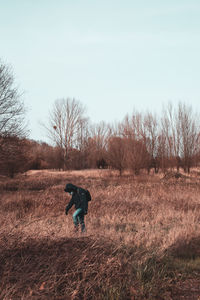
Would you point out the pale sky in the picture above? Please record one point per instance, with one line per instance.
(115, 56)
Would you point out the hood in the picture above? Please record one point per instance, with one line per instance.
(70, 188)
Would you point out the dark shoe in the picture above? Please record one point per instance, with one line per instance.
(83, 229)
(76, 229)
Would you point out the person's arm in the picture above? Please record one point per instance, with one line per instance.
(71, 202)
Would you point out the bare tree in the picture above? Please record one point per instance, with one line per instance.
(66, 126)
(116, 153)
(162, 155)
(135, 139)
(12, 109)
(99, 134)
(149, 132)
(80, 153)
(13, 146)
(181, 130)
(171, 128)
(189, 135)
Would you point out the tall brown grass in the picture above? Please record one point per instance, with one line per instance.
(142, 240)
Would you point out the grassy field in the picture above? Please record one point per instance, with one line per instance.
(142, 240)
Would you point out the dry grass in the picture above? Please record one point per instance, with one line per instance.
(142, 241)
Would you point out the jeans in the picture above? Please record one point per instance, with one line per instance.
(78, 218)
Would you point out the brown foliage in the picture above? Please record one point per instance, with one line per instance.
(141, 231)
(14, 155)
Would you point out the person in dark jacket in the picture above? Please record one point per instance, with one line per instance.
(81, 205)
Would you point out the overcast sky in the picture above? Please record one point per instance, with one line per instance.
(112, 55)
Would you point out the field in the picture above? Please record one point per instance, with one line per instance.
(142, 239)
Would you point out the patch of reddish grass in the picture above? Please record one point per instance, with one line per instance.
(141, 231)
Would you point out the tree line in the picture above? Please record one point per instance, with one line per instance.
(140, 141)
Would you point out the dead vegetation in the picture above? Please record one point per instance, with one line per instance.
(174, 175)
(142, 238)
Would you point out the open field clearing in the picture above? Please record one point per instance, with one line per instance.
(142, 240)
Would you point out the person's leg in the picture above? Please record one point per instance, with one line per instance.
(81, 221)
(76, 217)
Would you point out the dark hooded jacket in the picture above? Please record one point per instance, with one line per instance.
(78, 198)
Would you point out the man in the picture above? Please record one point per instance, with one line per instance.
(79, 200)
